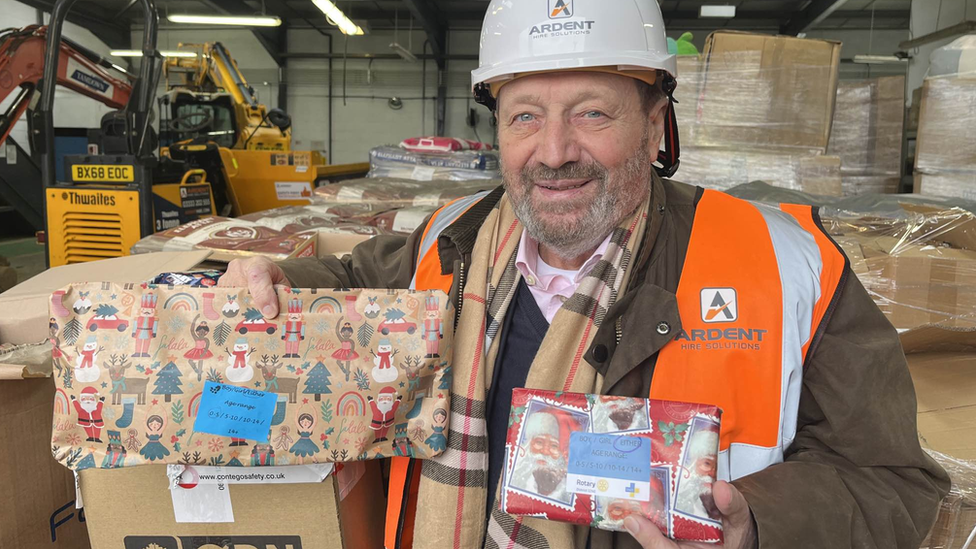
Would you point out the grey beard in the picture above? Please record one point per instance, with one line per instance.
(602, 216)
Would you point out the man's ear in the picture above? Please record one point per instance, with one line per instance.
(655, 125)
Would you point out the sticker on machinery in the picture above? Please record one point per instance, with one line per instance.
(293, 190)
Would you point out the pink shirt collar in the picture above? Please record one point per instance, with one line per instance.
(550, 291)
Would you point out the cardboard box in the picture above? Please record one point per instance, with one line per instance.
(722, 168)
(952, 184)
(37, 510)
(132, 508)
(947, 126)
(768, 91)
(24, 308)
(945, 386)
(867, 126)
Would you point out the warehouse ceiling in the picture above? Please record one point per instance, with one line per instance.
(111, 19)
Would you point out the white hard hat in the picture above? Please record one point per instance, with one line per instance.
(526, 36)
(627, 37)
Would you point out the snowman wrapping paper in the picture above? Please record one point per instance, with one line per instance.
(596, 459)
(347, 375)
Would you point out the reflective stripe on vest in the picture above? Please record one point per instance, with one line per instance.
(751, 301)
(775, 273)
(427, 277)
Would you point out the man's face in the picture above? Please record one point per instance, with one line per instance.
(576, 151)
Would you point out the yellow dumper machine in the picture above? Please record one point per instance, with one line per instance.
(212, 119)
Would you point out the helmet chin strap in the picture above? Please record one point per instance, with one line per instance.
(668, 158)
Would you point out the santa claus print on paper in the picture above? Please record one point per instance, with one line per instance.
(597, 459)
(384, 408)
(89, 409)
(541, 471)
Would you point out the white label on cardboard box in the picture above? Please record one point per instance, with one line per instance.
(350, 193)
(423, 173)
(293, 474)
(293, 190)
(202, 503)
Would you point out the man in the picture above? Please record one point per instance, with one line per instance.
(591, 273)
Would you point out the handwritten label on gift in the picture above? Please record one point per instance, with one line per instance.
(238, 412)
(616, 466)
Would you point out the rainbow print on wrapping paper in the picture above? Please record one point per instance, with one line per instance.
(325, 304)
(351, 404)
(194, 405)
(61, 402)
(181, 302)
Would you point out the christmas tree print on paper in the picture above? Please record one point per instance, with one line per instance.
(252, 315)
(317, 383)
(106, 310)
(168, 381)
(71, 331)
(221, 333)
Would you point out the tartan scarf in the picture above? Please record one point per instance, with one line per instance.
(453, 492)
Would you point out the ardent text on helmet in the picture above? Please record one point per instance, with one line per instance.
(568, 28)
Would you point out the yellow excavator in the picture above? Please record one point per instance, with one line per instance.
(211, 119)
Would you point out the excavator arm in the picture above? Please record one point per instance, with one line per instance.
(79, 69)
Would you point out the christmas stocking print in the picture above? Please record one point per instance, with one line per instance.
(208, 308)
(128, 404)
(57, 306)
(351, 309)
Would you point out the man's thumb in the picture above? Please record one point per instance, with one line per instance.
(728, 499)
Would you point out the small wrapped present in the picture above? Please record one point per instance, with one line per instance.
(597, 459)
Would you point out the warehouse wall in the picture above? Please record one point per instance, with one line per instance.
(71, 110)
(929, 16)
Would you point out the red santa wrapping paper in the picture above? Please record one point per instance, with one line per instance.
(342, 375)
(596, 459)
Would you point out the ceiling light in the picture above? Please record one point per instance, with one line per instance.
(138, 53)
(337, 18)
(724, 12)
(403, 52)
(879, 60)
(237, 20)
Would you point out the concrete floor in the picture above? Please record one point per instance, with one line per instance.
(25, 255)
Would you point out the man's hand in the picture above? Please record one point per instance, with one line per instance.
(258, 275)
(737, 524)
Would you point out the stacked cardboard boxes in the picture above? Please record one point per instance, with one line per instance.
(759, 107)
(867, 132)
(945, 156)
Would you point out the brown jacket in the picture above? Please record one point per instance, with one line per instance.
(854, 476)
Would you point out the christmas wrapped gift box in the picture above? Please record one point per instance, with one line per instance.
(595, 460)
(176, 374)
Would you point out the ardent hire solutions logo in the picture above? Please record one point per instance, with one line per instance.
(559, 9)
(719, 305)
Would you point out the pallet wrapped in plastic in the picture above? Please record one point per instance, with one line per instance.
(387, 193)
(955, 525)
(427, 166)
(947, 125)
(916, 260)
(961, 184)
(761, 91)
(867, 128)
(334, 218)
(861, 184)
(722, 168)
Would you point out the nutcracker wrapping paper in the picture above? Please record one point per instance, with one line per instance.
(350, 375)
(596, 459)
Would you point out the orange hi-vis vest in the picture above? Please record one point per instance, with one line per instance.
(754, 297)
